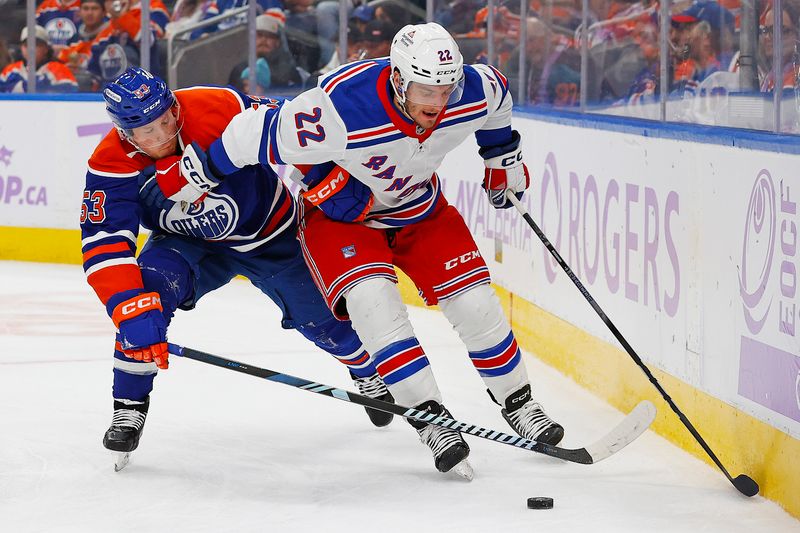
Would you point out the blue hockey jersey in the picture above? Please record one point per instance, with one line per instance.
(242, 214)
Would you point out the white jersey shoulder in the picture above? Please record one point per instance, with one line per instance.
(350, 119)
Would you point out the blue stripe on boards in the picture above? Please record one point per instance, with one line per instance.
(723, 136)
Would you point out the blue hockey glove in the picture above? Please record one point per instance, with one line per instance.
(168, 184)
(339, 195)
(142, 329)
(504, 171)
(150, 193)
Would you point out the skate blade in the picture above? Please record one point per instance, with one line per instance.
(464, 470)
(121, 460)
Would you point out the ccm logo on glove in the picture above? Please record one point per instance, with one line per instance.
(136, 306)
(332, 184)
(190, 173)
(512, 160)
(336, 193)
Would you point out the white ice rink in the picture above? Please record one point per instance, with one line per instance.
(225, 452)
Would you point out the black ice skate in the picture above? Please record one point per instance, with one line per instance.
(374, 387)
(529, 420)
(450, 452)
(126, 429)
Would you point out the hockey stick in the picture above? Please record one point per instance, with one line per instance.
(743, 483)
(633, 425)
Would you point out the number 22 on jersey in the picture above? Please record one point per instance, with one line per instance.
(304, 135)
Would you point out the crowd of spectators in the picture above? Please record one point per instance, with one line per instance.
(624, 60)
(81, 44)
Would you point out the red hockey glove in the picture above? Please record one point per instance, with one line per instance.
(339, 195)
(504, 171)
(142, 329)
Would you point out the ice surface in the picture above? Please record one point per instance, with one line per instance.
(224, 451)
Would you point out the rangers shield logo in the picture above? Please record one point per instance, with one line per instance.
(349, 251)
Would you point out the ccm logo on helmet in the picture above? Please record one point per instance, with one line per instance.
(463, 258)
(145, 302)
(151, 107)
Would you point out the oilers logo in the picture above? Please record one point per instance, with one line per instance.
(113, 61)
(213, 218)
(60, 30)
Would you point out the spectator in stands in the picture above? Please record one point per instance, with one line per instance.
(159, 14)
(506, 35)
(269, 46)
(680, 27)
(92, 21)
(361, 16)
(116, 47)
(552, 68)
(263, 78)
(377, 39)
(701, 61)
(220, 7)
(302, 35)
(60, 19)
(327, 15)
(721, 22)
(789, 40)
(458, 16)
(51, 76)
(645, 86)
(356, 49)
(188, 12)
(474, 45)
(395, 13)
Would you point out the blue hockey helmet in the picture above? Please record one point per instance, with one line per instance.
(137, 98)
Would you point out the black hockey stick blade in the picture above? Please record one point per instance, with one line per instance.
(633, 425)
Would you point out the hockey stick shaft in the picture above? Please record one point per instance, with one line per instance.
(580, 455)
(743, 483)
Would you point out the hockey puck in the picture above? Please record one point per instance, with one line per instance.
(540, 502)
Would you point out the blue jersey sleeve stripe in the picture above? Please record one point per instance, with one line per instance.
(219, 158)
(263, 156)
(113, 239)
(496, 137)
(99, 258)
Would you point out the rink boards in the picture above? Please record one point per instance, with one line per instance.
(687, 239)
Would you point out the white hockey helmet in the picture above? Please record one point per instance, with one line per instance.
(426, 54)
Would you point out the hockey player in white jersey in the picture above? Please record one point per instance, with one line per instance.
(369, 139)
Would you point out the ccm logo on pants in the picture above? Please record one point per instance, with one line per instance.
(469, 256)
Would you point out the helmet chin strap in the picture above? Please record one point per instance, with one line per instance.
(398, 99)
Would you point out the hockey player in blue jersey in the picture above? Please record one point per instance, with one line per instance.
(242, 226)
(369, 139)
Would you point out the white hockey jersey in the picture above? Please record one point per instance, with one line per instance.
(350, 119)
